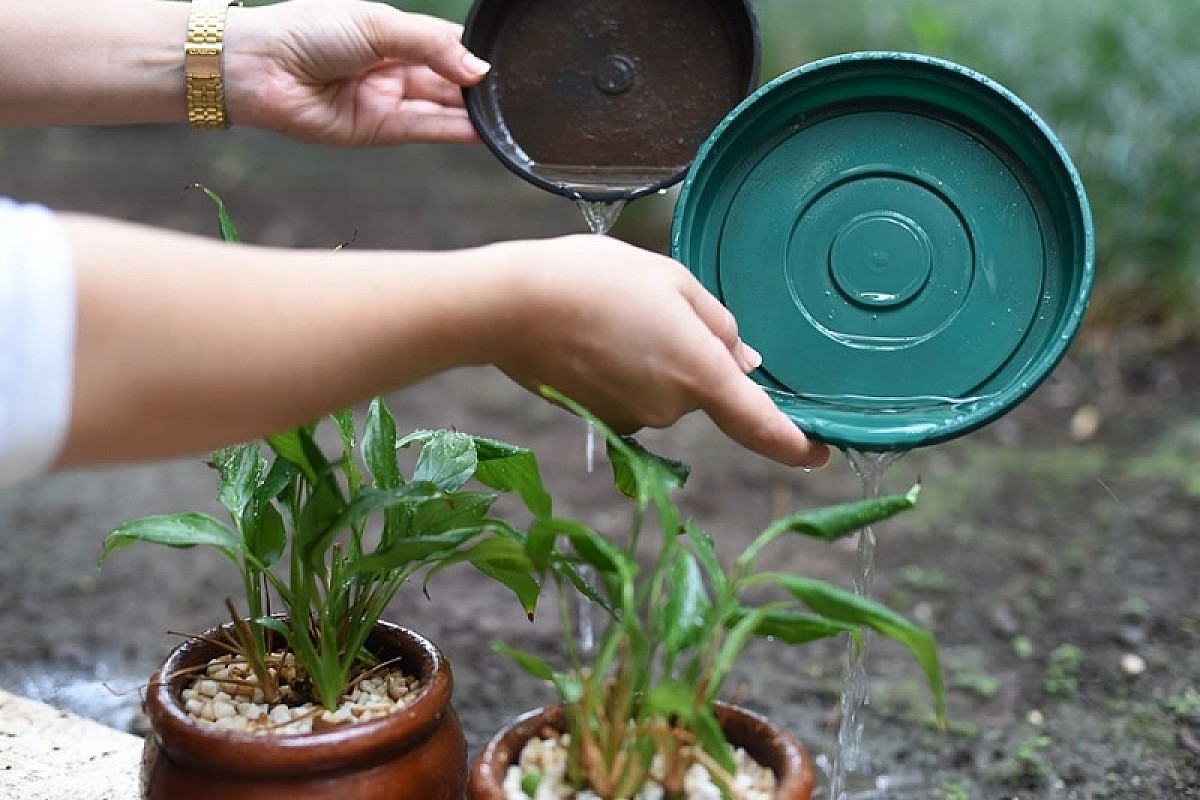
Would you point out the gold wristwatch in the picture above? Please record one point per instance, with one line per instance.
(202, 64)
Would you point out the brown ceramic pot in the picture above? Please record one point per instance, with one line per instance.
(767, 743)
(418, 753)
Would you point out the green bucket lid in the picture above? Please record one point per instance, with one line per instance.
(904, 240)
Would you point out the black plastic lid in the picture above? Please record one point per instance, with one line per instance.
(607, 99)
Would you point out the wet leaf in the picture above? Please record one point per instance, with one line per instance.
(686, 612)
(831, 522)
(186, 530)
(512, 469)
(447, 458)
(379, 446)
(841, 605)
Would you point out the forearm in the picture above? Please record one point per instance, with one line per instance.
(185, 343)
(97, 62)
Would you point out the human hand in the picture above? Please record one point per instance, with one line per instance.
(348, 72)
(637, 340)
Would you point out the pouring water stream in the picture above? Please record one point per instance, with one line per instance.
(600, 218)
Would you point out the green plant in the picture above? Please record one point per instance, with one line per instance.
(309, 515)
(328, 541)
(1062, 673)
(676, 628)
(1186, 704)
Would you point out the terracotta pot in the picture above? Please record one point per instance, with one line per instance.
(767, 743)
(418, 753)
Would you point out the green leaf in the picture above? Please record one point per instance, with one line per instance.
(322, 516)
(712, 738)
(635, 468)
(581, 584)
(277, 479)
(834, 522)
(706, 554)
(239, 467)
(536, 666)
(504, 560)
(796, 627)
(509, 468)
(404, 553)
(686, 612)
(274, 624)
(732, 647)
(267, 538)
(444, 512)
(670, 699)
(175, 530)
(637, 473)
(831, 522)
(841, 605)
(224, 223)
(520, 582)
(298, 448)
(593, 548)
(330, 515)
(568, 687)
(343, 420)
(447, 458)
(379, 445)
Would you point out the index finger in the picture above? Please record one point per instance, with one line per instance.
(748, 416)
(423, 39)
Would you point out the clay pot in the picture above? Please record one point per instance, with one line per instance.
(418, 753)
(767, 743)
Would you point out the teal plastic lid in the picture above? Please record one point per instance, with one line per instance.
(903, 239)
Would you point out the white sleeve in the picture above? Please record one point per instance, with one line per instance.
(37, 339)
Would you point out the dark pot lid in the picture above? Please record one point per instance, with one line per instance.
(906, 243)
(607, 100)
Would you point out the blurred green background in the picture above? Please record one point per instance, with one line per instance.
(1118, 82)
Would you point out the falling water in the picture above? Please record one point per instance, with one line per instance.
(600, 217)
(869, 467)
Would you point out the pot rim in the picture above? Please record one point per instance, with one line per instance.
(185, 740)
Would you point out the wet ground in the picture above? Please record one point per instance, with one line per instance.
(1054, 553)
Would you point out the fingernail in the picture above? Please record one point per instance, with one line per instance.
(751, 356)
(475, 64)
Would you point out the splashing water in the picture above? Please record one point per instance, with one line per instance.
(869, 467)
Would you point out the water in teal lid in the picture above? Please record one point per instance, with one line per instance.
(904, 240)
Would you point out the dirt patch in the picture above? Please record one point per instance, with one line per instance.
(1060, 575)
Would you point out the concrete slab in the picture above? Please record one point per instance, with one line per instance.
(47, 754)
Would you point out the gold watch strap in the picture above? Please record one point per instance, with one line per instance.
(202, 64)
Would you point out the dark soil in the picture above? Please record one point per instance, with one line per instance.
(1052, 560)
